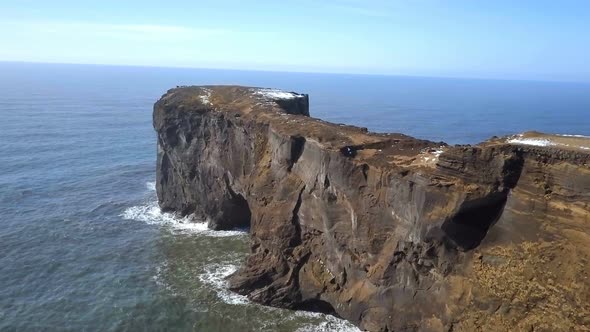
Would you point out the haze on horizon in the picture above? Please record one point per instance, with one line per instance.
(532, 40)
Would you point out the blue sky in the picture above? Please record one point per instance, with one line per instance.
(545, 40)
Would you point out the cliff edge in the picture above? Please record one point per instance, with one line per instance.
(388, 231)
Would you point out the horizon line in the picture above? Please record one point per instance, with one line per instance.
(296, 72)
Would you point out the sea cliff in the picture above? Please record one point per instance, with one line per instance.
(388, 231)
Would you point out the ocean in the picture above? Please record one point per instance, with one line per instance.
(83, 245)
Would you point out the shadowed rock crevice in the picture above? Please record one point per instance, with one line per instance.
(469, 226)
(296, 238)
(235, 210)
(316, 305)
(348, 151)
(297, 146)
(513, 169)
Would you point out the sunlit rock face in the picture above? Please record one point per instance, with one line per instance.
(390, 232)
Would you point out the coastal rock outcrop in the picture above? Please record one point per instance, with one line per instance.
(388, 231)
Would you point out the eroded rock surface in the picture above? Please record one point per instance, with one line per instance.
(390, 232)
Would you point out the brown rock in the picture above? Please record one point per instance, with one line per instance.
(390, 232)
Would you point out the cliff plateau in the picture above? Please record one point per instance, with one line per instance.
(388, 231)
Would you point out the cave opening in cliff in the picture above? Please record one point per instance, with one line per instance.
(236, 209)
(470, 224)
(317, 305)
(241, 211)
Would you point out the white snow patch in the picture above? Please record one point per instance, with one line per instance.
(205, 98)
(430, 155)
(518, 139)
(437, 152)
(277, 94)
(531, 141)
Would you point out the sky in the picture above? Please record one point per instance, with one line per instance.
(531, 40)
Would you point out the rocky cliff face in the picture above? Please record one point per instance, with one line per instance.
(385, 230)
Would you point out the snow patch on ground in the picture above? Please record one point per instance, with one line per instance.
(520, 139)
(277, 94)
(437, 152)
(205, 98)
(531, 141)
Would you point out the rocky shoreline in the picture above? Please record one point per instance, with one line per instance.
(390, 232)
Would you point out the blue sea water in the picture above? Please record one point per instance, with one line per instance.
(83, 246)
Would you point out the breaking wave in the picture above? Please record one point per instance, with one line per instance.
(214, 276)
(151, 186)
(151, 214)
(329, 324)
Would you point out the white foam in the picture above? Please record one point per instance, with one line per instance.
(159, 278)
(569, 135)
(214, 276)
(151, 186)
(277, 94)
(531, 141)
(330, 323)
(151, 214)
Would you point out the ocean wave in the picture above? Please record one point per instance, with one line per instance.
(151, 186)
(214, 277)
(329, 324)
(159, 277)
(151, 214)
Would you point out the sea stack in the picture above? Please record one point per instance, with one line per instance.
(388, 231)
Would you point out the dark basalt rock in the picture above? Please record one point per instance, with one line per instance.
(390, 232)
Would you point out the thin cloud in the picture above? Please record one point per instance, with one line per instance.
(362, 11)
(360, 7)
(161, 29)
(121, 31)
